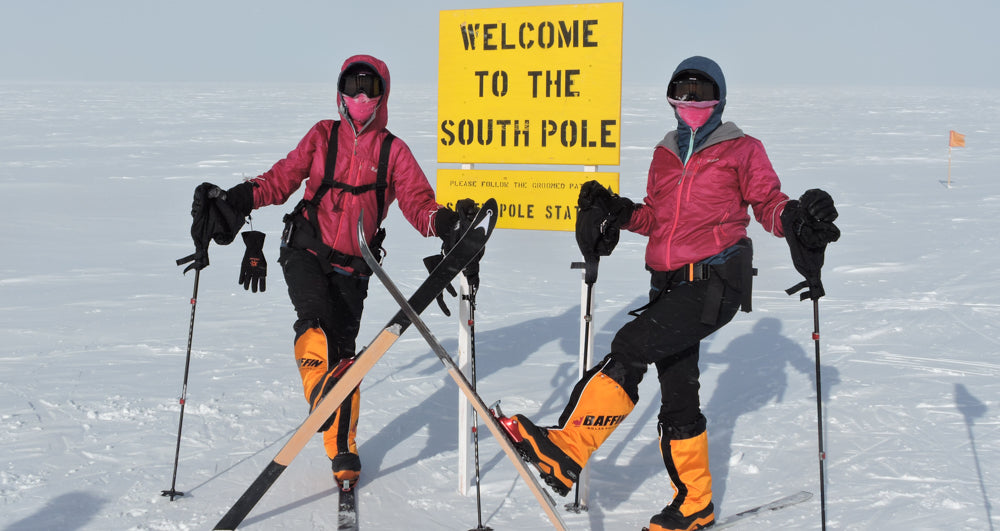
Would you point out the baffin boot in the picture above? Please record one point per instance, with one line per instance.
(340, 444)
(339, 430)
(687, 464)
(597, 406)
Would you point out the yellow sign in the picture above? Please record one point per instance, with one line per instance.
(530, 85)
(538, 200)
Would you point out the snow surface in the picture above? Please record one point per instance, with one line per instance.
(95, 186)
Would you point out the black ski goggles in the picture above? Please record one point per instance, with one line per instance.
(354, 82)
(692, 86)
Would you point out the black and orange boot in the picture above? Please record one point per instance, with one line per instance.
(670, 518)
(339, 441)
(687, 465)
(346, 470)
(339, 431)
(598, 405)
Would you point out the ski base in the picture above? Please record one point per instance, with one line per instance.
(347, 516)
(753, 512)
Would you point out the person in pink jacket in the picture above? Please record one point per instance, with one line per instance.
(349, 166)
(704, 177)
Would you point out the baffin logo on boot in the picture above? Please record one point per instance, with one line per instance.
(308, 362)
(601, 421)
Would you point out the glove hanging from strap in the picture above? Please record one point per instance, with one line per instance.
(253, 270)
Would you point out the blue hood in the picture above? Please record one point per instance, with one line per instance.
(711, 69)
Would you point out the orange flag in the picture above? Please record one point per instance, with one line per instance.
(956, 139)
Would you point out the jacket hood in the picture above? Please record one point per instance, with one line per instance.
(381, 116)
(712, 70)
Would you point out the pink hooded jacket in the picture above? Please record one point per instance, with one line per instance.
(357, 165)
(697, 210)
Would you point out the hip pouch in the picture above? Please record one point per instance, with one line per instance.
(734, 271)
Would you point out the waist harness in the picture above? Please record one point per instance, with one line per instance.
(732, 268)
(304, 233)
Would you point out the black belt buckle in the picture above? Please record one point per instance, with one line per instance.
(694, 272)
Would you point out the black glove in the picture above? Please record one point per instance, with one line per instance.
(450, 225)
(253, 271)
(596, 235)
(811, 231)
(807, 238)
(446, 227)
(467, 210)
(224, 212)
(599, 220)
(216, 215)
(594, 194)
(819, 205)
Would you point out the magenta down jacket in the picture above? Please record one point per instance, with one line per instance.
(357, 165)
(694, 211)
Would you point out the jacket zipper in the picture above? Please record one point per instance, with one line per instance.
(680, 194)
(350, 169)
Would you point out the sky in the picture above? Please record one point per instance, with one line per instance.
(848, 42)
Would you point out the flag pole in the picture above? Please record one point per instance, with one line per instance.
(949, 166)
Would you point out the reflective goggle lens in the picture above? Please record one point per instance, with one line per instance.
(692, 88)
(352, 84)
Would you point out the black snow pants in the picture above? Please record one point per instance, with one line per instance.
(333, 301)
(667, 332)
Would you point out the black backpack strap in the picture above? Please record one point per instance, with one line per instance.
(312, 205)
(382, 181)
(331, 166)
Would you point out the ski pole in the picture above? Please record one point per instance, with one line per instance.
(187, 365)
(587, 323)
(475, 419)
(819, 417)
(589, 279)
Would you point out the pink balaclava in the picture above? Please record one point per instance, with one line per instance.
(694, 113)
(361, 107)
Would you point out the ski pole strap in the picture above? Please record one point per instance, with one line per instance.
(798, 287)
(590, 269)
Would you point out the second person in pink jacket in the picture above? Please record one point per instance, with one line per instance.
(704, 177)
